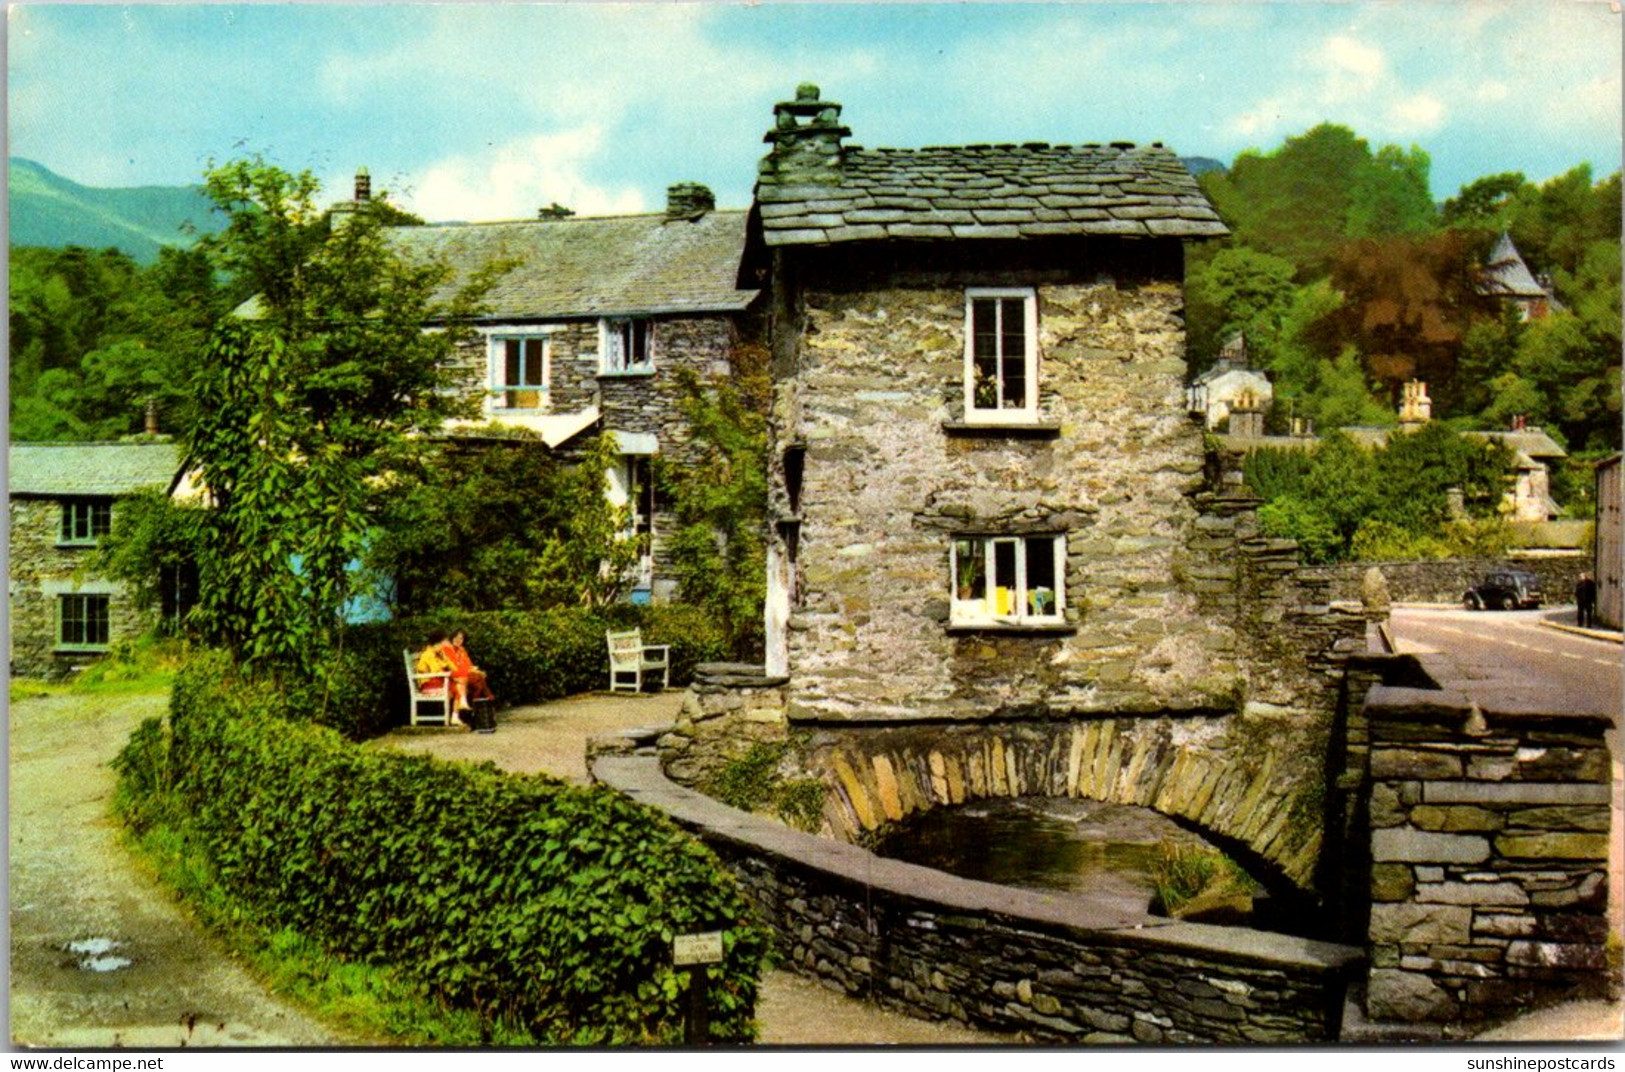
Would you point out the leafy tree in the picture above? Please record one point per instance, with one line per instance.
(1391, 196)
(1236, 289)
(1485, 203)
(305, 408)
(589, 555)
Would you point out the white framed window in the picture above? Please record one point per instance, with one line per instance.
(85, 522)
(521, 371)
(1001, 355)
(625, 346)
(1008, 580)
(82, 622)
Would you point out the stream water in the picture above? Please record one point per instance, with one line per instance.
(1042, 843)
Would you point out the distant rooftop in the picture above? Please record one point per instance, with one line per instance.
(593, 266)
(66, 469)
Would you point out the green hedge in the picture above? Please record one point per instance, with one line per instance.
(529, 656)
(539, 904)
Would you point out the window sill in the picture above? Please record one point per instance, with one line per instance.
(81, 649)
(625, 374)
(78, 545)
(1004, 429)
(1017, 628)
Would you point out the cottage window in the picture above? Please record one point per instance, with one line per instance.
(82, 622)
(521, 370)
(1008, 580)
(85, 521)
(625, 346)
(1001, 355)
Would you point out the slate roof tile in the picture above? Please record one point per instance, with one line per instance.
(91, 469)
(597, 266)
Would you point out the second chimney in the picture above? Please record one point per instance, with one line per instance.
(688, 201)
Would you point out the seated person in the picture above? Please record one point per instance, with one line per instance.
(469, 678)
(433, 660)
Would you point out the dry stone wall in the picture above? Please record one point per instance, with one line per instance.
(1489, 856)
(1057, 969)
(1445, 580)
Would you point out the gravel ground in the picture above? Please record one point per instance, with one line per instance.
(72, 882)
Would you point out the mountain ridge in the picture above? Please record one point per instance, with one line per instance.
(47, 209)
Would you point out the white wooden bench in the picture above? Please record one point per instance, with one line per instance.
(423, 694)
(630, 657)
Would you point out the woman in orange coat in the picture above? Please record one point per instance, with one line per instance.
(470, 679)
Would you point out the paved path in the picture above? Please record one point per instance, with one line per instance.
(71, 882)
(792, 1010)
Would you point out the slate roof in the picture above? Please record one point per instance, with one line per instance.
(1506, 275)
(594, 266)
(990, 191)
(89, 469)
(1531, 442)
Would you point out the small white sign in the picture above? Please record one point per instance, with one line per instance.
(687, 949)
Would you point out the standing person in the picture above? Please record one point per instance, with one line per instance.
(470, 678)
(1585, 600)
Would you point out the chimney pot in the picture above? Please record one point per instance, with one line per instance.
(806, 139)
(150, 424)
(363, 185)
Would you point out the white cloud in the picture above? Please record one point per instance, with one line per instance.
(513, 180)
(1354, 57)
(1420, 114)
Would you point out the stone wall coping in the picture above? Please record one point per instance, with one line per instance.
(1108, 922)
(736, 675)
(1499, 702)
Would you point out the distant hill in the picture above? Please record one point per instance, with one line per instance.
(1201, 165)
(49, 210)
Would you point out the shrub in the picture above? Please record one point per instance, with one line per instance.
(537, 904)
(530, 657)
(754, 781)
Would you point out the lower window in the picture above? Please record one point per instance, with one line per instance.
(82, 621)
(1008, 580)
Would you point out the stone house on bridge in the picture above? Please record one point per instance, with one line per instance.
(985, 478)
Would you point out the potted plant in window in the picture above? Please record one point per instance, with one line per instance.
(965, 583)
(985, 392)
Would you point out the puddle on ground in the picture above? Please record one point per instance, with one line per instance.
(97, 954)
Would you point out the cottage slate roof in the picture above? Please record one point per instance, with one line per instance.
(90, 469)
(990, 191)
(1506, 275)
(1532, 442)
(593, 266)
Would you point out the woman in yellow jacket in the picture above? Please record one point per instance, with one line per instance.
(432, 660)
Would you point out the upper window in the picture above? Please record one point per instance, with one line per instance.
(82, 621)
(1001, 355)
(520, 371)
(1008, 580)
(85, 521)
(625, 346)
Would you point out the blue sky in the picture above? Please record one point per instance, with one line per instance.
(472, 111)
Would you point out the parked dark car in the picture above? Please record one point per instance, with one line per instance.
(1504, 590)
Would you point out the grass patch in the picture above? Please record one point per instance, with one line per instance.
(754, 781)
(1182, 873)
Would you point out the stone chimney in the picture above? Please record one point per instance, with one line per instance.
(343, 212)
(688, 201)
(806, 140)
(1247, 417)
(150, 421)
(1416, 408)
